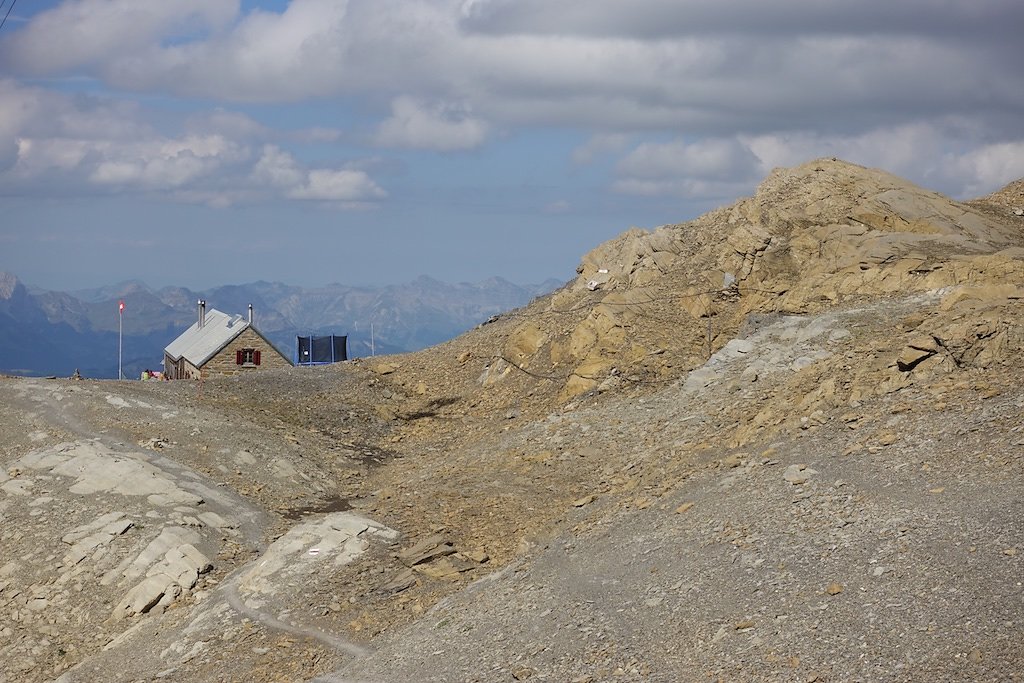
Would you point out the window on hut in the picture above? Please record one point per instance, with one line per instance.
(247, 357)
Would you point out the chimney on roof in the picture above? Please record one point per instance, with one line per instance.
(250, 314)
(202, 313)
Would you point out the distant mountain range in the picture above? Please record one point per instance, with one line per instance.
(53, 333)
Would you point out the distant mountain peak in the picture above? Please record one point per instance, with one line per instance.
(131, 287)
(120, 290)
(8, 283)
(427, 281)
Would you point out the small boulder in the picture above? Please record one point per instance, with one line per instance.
(426, 550)
(384, 368)
(798, 474)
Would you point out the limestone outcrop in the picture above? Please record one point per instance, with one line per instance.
(653, 304)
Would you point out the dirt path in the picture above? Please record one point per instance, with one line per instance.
(264, 617)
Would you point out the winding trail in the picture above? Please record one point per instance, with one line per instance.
(237, 604)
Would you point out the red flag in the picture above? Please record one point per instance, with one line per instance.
(120, 306)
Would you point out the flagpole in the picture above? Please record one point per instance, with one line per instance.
(120, 317)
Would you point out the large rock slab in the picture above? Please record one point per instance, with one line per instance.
(96, 468)
(333, 540)
(172, 566)
(428, 549)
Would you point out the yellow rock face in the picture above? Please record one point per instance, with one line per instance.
(657, 304)
(524, 343)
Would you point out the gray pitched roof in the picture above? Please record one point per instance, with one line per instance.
(199, 344)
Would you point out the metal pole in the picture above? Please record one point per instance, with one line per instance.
(120, 317)
(371, 341)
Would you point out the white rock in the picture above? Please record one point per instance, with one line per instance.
(798, 474)
(84, 530)
(17, 487)
(340, 537)
(144, 596)
(170, 537)
(216, 521)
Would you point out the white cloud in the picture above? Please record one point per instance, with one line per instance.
(989, 167)
(154, 164)
(706, 169)
(438, 126)
(277, 168)
(265, 57)
(87, 140)
(343, 185)
(923, 91)
(932, 153)
(316, 134)
(82, 33)
(558, 206)
(674, 18)
(725, 168)
(713, 158)
(898, 149)
(598, 146)
(32, 112)
(693, 67)
(225, 122)
(166, 164)
(91, 144)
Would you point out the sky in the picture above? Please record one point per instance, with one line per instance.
(366, 142)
